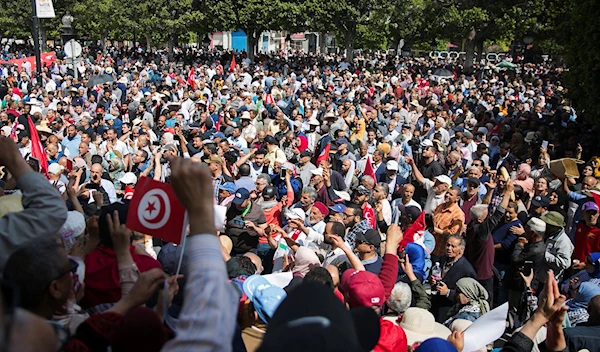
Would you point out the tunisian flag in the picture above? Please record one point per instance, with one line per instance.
(324, 156)
(369, 169)
(37, 150)
(155, 210)
(232, 65)
(414, 231)
(191, 80)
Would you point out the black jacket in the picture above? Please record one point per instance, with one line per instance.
(442, 304)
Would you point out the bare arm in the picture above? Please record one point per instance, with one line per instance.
(415, 170)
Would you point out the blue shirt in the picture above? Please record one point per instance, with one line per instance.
(72, 145)
(503, 236)
(373, 265)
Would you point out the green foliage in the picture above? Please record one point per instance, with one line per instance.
(583, 58)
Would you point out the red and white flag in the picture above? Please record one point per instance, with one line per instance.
(414, 231)
(191, 79)
(37, 149)
(324, 156)
(155, 210)
(269, 99)
(369, 169)
(128, 193)
(369, 215)
(232, 65)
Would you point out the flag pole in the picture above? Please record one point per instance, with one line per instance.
(36, 42)
(183, 240)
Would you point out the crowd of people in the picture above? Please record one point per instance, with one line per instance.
(371, 204)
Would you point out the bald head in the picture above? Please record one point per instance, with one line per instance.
(256, 261)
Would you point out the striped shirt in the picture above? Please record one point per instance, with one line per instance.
(208, 317)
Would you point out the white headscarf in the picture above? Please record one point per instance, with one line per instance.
(350, 174)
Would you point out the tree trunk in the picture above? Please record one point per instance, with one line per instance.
(148, 41)
(171, 45)
(480, 53)
(470, 50)
(349, 44)
(251, 43)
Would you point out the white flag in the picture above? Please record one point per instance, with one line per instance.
(44, 9)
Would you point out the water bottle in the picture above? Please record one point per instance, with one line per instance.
(436, 274)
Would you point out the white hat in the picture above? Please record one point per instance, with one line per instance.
(55, 169)
(296, 213)
(318, 171)
(444, 179)
(343, 195)
(427, 143)
(122, 80)
(392, 165)
(537, 225)
(313, 122)
(419, 325)
(73, 227)
(246, 116)
(129, 178)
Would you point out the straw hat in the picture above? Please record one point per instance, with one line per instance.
(419, 325)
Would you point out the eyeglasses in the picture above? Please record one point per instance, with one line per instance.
(73, 265)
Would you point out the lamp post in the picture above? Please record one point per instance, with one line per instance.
(36, 43)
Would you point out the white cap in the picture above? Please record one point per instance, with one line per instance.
(444, 179)
(129, 178)
(317, 171)
(392, 165)
(343, 195)
(427, 143)
(296, 213)
(55, 169)
(537, 225)
(246, 116)
(314, 122)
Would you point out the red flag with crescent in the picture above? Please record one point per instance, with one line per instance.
(190, 79)
(416, 227)
(155, 210)
(324, 156)
(128, 193)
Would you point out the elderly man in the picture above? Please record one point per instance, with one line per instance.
(436, 190)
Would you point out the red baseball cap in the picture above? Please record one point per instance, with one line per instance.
(362, 289)
(322, 208)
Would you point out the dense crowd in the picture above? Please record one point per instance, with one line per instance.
(373, 204)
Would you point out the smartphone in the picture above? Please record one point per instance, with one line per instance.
(34, 163)
(239, 222)
(545, 145)
(527, 267)
(282, 173)
(156, 143)
(92, 186)
(69, 166)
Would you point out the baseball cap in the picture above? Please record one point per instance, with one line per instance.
(306, 153)
(553, 218)
(322, 208)
(444, 179)
(362, 288)
(474, 180)
(265, 297)
(109, 117)
(271, 140)
(341, 141)
(229, 187)
(370, 237)
(338, 208)
(313, 318)
(590, 206)
(426, 143)
(363, 190)
(55, 169)
(295, 213)
(240, 196)
(344, 196)
(318, 171)
(392, 165)
(540, 201)
(128, 178)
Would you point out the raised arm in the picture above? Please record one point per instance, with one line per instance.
(415, 170)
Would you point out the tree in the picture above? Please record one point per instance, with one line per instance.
(257, 16)
(583, 59)
(345, 16)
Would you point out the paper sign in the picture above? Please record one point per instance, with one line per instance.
(220, 212)
(44, 9)
(488, 328)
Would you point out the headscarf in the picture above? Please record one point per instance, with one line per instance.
(305, 260)
(474, 292)
(516, 147)
(594, 257)
(350, 174)
(303, 143)
(416, 256)
(522, 178)
(168, 137)
(360, 133)
(562, 204)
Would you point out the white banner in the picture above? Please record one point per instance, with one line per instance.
(44, 9)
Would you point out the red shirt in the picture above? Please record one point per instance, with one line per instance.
(587, 240)
(392, 338)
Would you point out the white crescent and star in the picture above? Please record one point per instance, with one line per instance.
(154, 209)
